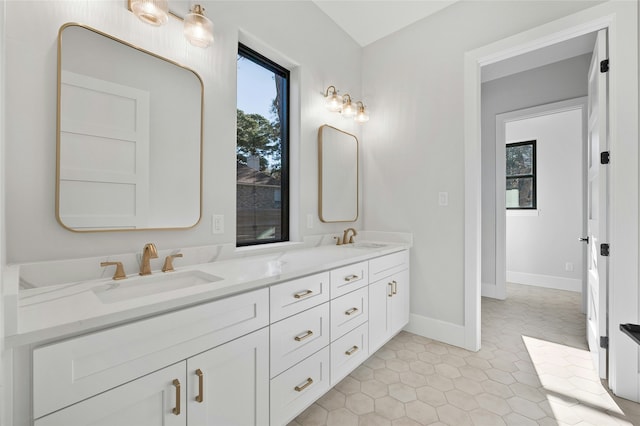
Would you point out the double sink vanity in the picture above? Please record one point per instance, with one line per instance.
(216, 336)
(241, 341)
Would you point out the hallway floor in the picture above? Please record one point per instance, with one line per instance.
(533, 369)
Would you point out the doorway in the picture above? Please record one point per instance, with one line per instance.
(620, 18)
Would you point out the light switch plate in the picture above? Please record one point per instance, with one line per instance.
(443, 198)
(309, 221)
(217, 224)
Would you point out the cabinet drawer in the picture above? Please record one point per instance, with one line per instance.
(348, 312)
(297, 388)
(295, 338)
(348, 352)
(294, 296)
(388, 265)
(75, 369)
(349, 278)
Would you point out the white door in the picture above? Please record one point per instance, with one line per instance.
(229, 385)
(104, 154)
(597, 207)
(153, 400)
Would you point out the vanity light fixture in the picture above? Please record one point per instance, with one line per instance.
(154, 12)
(361, 116)
(345, 105)
(333, 101)
(348, 108)
(198, 29)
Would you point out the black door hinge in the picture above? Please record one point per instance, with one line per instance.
(605, 157)
(604, 66)
(604, 249)
(604, 342)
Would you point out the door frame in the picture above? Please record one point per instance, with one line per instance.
(499, 290)
(621, 21)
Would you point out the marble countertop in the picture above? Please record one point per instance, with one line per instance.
(58, 311)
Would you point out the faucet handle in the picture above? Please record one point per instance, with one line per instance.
(119, 274)
(168, 262)
(338, 242)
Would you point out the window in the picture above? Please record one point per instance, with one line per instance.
(521, 175)
(262, 179)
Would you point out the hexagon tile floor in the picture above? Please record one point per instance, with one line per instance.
(533, 369)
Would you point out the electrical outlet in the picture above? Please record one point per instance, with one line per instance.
(568, 267)
(443, 198)
(217, 224)
(309, 221)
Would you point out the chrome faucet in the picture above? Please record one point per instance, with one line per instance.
(148, 252)
(345, 235)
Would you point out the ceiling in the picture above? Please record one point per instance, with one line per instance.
(369, 20)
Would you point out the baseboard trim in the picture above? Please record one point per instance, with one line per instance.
(546, 281)
(443, 331)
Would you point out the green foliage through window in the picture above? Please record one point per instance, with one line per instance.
(262, 201)
(521, 175)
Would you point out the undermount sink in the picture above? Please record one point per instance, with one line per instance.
(133, 288)
(365, 245)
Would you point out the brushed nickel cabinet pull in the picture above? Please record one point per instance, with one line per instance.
(306, 385)
(176, 409)
(395, 287)
(390, 289)
(303, 294)
(301, 337)
(351, 278)
(351, 351)
(200, 375)
(351, 311)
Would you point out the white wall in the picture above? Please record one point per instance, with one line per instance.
(318, 52)
(554, 82)
(539, 245)
(414, 80)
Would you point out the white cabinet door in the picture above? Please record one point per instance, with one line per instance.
(399, 301)
(157, 399)
(380, 294)
(229, 385)
(388, 308)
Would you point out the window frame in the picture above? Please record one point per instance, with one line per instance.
(533, 175)
(283, 72)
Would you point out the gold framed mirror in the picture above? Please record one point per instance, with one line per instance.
(338, 175)
(129, 136)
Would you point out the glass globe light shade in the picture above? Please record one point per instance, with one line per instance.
(348, 109)
(333, 101)
(198, 29)
(154, 12)
(361, 115)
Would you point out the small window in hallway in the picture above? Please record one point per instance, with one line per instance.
(521, 175)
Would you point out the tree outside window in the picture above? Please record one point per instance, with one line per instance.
(262, 200)
(521, 175)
